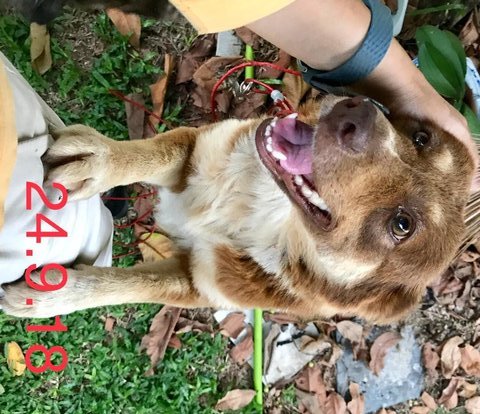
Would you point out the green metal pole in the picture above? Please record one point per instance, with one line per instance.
(257, 354)
(257, 313)
(249, 70)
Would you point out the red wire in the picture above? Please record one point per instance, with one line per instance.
(139, 105)
(130, 253)
(213, 104)
(131, 198)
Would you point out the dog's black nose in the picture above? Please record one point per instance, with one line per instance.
(352, 121)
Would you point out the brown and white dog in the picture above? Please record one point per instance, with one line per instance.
(336, 211)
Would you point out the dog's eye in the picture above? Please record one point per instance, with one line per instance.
(420, 139)
(401, 225)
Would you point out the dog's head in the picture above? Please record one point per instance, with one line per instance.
(382, 202)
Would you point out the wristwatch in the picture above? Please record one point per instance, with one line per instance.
(364, 60)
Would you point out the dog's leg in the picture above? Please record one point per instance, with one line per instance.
(87, 163)
(167, 281)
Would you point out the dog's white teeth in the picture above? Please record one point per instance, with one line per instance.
(269, 140)
(274, 122)
(268, 131)
(292, 116)
(269, 148)
(306, 191)
(279, 155)
(298, 180)
(317, 201)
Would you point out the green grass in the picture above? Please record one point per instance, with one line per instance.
(105, 373)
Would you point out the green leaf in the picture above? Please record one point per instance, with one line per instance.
(100, 79)
(472, 120)
(446, 55)
(451, 47)
(460, 52)
(434, 66)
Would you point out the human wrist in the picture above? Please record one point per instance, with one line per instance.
(395, 80)
(310, 30)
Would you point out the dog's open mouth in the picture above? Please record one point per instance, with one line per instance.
(285, 147)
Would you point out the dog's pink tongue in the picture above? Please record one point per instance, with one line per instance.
(294, 139)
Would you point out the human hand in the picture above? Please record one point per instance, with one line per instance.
(399, 85)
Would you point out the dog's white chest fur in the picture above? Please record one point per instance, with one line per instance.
(230, 200)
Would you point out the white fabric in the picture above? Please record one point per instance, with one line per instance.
(88, 222)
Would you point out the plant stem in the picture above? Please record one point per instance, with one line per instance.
(436, 9)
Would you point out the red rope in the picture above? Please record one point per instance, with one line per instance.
(120, 95)
(236, 68)
(131, 198)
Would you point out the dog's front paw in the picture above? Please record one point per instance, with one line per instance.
(20, 299)
(81, 160)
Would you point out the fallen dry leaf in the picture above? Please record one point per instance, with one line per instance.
(335, 354)
(248, 37)
(283, 61)
(420, 410)
(268, 345)
(250, 105)
(314, 346)
(379, 349)
(451, 356)
(159, 88)
(156, 341)
(467, 389)
(335, 404)
(155, 247)
(355, 334)
(283, 318)
(473, 405)
(310, 380)
(128, 24)
(429, 401)
(206, 76)
(235, 399)
(308, 403)
(357, 404)
(109, 323)
(350, 330)
(449, 397)
(15, 358)
(202, 47)
(242, 350)
(470, 360)
(469, 33)
(430, 360)
(135, 116)
(174, 342)
(233, 324)
(40, 54)
(187, 325)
